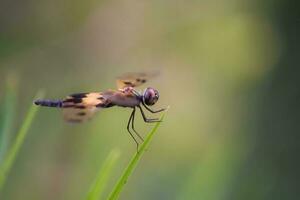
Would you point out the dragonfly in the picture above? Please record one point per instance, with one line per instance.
(81, 107)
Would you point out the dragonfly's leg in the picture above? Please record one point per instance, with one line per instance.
(132, 125)
(128, 126)
(153, 111)
(146, 119)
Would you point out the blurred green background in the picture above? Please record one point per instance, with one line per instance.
(229, 71)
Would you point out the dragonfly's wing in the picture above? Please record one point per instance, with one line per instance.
(81, 107)
(76, 115)
(134, 79)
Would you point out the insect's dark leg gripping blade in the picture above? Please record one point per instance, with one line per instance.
(146, 119)
(153, 111)
(128, 126)
(132, 125)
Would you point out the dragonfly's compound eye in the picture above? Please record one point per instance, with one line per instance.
(150, 96)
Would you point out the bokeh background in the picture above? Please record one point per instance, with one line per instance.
(229, 71)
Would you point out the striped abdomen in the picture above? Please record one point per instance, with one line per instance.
(49, 103)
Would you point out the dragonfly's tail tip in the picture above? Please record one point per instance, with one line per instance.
(48, 103)
(37, 102)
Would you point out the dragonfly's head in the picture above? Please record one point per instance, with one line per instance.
(150, 96)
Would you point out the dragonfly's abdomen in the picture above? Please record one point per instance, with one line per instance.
(49, 103)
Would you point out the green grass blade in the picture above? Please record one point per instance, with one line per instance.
(7, 114)
(13, 151)
(96, 190)
(133, 163)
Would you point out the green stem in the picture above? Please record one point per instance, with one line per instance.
(133, 163)
(100, 183)
(8, 113)
(13, 151)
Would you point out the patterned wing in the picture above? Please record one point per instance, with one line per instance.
(134, 79)
(81, 107)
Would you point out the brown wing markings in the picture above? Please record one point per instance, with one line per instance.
(79, 95)
(81, 113)
(134, 79)
(82, 106)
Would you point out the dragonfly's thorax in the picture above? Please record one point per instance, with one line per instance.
(125, 98)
